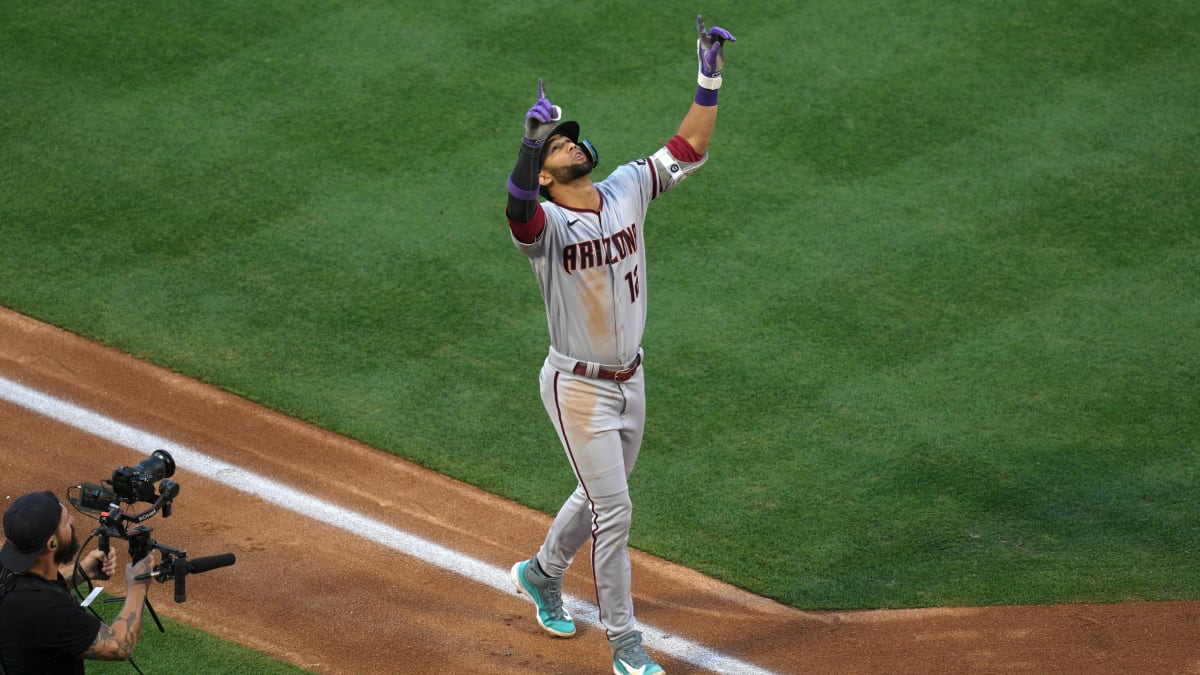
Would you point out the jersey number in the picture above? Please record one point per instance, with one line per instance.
(635, 285)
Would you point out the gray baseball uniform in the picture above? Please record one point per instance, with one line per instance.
(587, 247)
(591, 268)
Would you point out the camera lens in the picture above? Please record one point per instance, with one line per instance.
(157, 466)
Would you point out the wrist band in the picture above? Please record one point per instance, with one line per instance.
(706, 97)
(532, 143)
(521, 193)
(707, 82)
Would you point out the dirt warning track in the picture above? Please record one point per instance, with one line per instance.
(350, 560)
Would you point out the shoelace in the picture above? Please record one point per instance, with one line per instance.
(554, 597)
(634, 655)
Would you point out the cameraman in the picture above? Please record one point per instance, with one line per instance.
(42, 628)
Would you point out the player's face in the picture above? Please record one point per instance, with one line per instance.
(565, 160)
(562, 152)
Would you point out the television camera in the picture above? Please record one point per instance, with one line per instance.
(131, 485)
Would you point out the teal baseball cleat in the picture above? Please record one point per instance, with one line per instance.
(546, 593)
(630, 659)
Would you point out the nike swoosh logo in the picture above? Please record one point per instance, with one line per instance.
(631, 670)
(572, 223)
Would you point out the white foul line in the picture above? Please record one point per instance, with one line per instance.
(355, 523)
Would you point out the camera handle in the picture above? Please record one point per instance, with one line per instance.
(181, 572)
(110, 526)
(176, 567)
(104, 548)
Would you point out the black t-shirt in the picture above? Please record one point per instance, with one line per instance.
(42, 629)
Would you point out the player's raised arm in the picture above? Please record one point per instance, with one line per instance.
(523, 181)
(687, 150)
(697, 125)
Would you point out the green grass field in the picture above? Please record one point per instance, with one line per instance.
(923, 332)
(180, 648)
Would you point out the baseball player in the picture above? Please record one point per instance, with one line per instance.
(586, 246)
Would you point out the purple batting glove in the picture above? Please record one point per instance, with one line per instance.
(709, 53)
(541, 118)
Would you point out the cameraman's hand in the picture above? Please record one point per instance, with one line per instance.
(132, 570)
(106, 563)
(92, 563)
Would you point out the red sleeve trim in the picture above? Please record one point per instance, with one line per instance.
(527, 233)
(682, 150)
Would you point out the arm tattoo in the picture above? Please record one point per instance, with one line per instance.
(116, 643)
